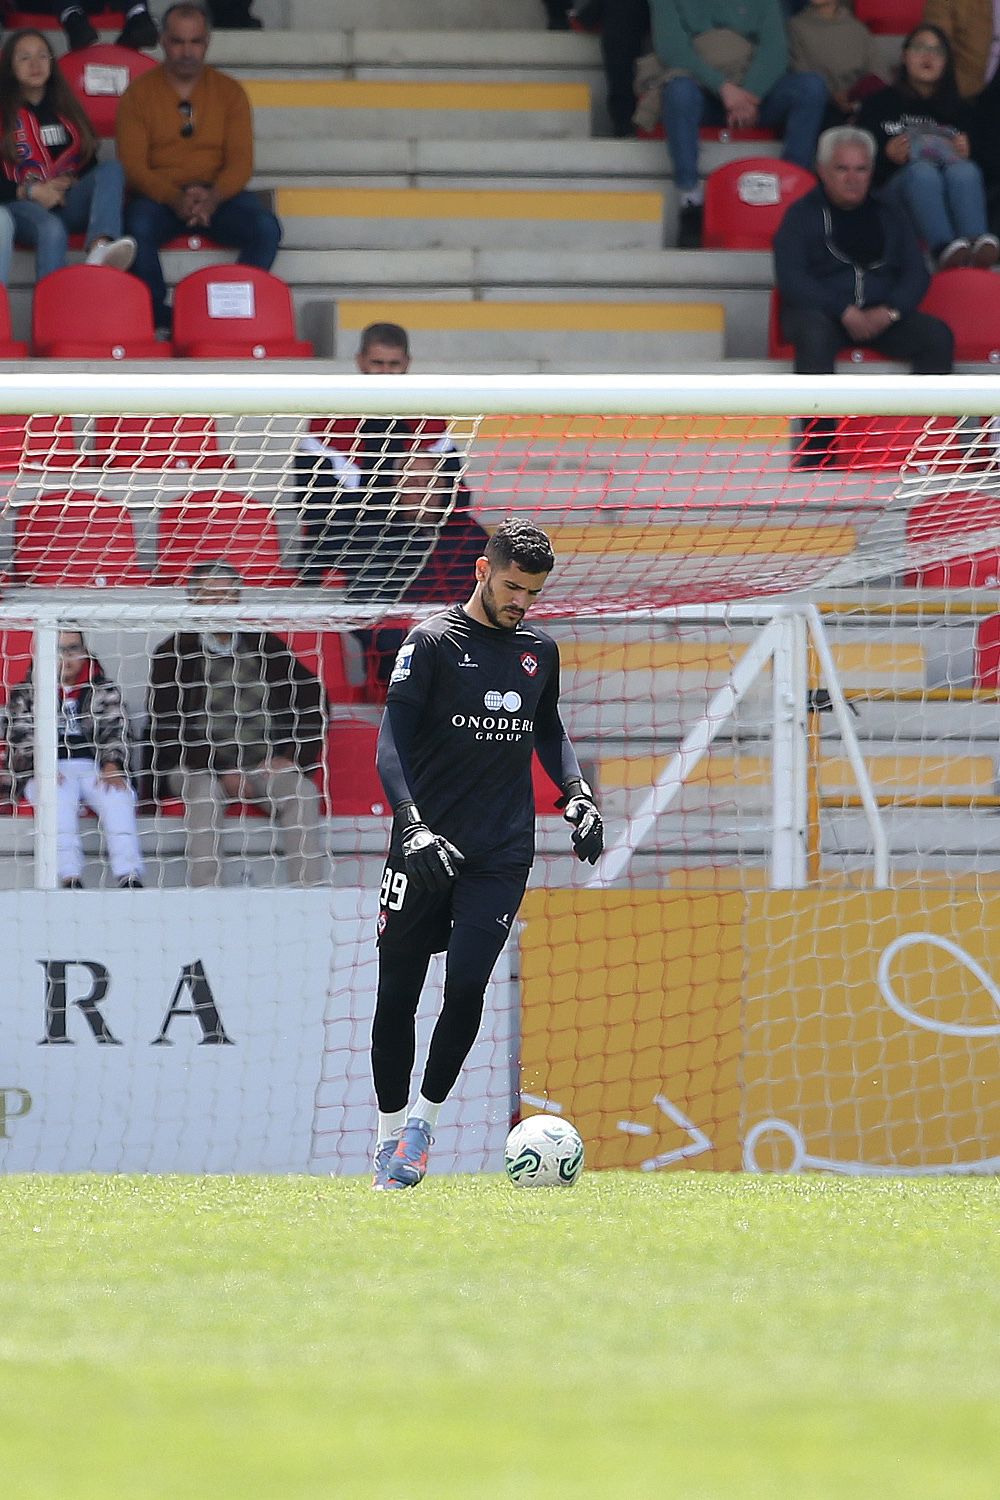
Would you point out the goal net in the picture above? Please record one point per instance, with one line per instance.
(775, 607)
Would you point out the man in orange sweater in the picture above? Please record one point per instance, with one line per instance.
(185, 140)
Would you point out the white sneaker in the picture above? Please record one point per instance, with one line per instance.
(985, 251)
(118, 254)
(958, 253)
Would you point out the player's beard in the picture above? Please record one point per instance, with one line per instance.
(492, 611)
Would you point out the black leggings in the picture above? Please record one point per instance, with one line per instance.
(472, 954)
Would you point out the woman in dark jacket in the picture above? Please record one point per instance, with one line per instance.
(921, 125)
(50, 179)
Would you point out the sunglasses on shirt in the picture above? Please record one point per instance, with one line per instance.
(187, 112)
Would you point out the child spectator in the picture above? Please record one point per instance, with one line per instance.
(825, 37)
(52, 183)
(93, 759)
(921, 126)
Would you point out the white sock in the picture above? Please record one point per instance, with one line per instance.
(693, 198)
(390, 1125)
(426, 1111)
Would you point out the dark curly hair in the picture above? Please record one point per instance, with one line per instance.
(522, 543)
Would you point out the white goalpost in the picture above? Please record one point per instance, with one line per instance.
(780, 670)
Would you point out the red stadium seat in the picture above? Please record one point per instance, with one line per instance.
(916, 443)
(183, 443)
(545, 790)
(15, 659)
(76, 539)
(944, 517)
(745, 201)
(221, 523)
(104, 20)
(10, 348)
(322, 652)
(988, 652)
(969, 302)
(890, 17)
(720, 133)
(235, 312)
(352, 788)
(94, 312)
(37, 443)
(98, 76)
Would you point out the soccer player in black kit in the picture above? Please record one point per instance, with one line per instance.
(473, 692)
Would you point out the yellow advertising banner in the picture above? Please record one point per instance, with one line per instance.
(855, 1032)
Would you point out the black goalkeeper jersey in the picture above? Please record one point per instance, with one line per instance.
(483, 695)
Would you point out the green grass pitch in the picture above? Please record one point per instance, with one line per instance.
(682, 1336)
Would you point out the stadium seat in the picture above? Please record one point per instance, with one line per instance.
(94, 312)
(352, 788)
(10, 348)
(235, 312)
(15, 659)
(322, 652)
(720, 133)
(37, 443)
(916, 443)
(943, 517)
(545, 790)
(103, 20)
(220, 523)
(988, 652)
(745, 201)
(78, 540)
(98, 76)
(183, 443)
(890, 17)
(969, 302)
(778, 348)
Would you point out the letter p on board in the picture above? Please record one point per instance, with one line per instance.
(14, 1104)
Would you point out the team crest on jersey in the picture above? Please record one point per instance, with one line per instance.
(529, 663)
(383, 919)
(401, 668)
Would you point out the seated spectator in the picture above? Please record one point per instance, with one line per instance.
(434, 504)
(826, 37)
(234, 716)
(973, 31)
(921, 127)
(185, 139)
(624, 34)
(850, 271)
(52, 184)
(727, 64)
(92, 754)
(348, 469)
(138, 31)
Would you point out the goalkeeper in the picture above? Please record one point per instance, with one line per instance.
(474, 691)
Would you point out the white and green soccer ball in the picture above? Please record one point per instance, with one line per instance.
(544, 1151)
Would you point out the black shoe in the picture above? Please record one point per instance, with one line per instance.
(689, 227)
(79, 32)
(139, 31)
(72, 885)
(130, 883)
(234, 15)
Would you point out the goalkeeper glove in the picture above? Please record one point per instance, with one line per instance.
(430, 862)
(580, 809)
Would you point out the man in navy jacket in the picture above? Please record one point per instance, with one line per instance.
(850, 271)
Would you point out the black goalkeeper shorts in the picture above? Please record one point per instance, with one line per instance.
(410, 918)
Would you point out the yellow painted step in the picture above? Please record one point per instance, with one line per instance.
(930, 773)
(556, 317)
(356, 93)
(691, 539)
(852, 659)
(737, 430)
(467, 203)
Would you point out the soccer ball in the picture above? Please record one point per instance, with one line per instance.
(544, 1151)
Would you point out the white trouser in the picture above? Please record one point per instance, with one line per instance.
(80, 782)
(290, 798)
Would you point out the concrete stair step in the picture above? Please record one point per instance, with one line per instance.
(476, 111)
(444, 15)
(469, 50)
(424, 218)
